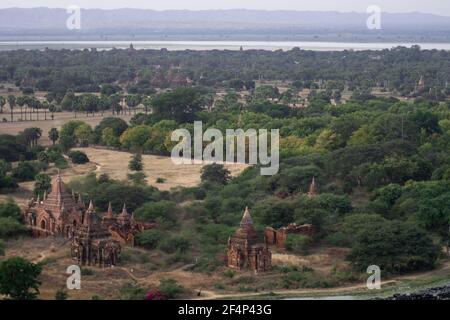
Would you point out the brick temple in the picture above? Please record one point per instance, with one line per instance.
(245, 251)
(96, 238)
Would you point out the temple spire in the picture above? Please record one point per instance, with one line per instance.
(91, 207)
(80, 201)
(124, 210)
(313, 188)
(110, 213)
(246, 218)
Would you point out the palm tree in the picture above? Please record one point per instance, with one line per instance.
(53, 134)
(2, 103)
(12, 104)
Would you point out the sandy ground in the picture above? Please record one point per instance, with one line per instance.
(14, 128)
(115, 164)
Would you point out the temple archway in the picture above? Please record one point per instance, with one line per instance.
(43, 225)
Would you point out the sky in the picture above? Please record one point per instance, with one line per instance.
(441, 7)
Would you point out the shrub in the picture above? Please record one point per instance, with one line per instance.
(136, 163)
(162, 211)
(174, 244)
(215, 173)
(78, 157)
(61, 295)
(395, 247)
(138, 178)
(229, 273)
(170, 288)
(26, 171)
(2, 248)
(297, 243)
(10, 209)
(61, 163)
(160, 180)
(149, 238)
(132, 291)
(19, 278)
(10, 227)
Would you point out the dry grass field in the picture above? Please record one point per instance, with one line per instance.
(115, 164)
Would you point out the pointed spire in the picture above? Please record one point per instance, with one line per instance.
(91, 207)
(246, 218)
(80, 201)
(45, 195)
(73, 194)
(109, 213)
(38, 200)
(124, 210)
(313, 188)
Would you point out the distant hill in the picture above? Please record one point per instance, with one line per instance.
(40, 23)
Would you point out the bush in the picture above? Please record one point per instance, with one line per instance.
(163, 211)
(396, 247)
(215, 173)
(10, 209)
(61, 295)
(26, 171)
(78, 157)
(10, 227)
(229, 273)
(138, 178)
(61, 163)
(7, 184)
(174, 244)
(160, 180)
(297, 243)
(2, 248)
(149, 238)
(136, 163)
(170, 288)
(132, 291)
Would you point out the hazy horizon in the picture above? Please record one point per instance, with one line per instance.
(436, 7)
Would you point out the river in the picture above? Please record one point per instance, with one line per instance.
(214, 45)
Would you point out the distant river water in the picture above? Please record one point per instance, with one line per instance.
(213, 45)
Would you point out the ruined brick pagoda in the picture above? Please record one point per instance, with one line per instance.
(245, 251)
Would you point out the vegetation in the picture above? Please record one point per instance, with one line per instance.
(19, 279)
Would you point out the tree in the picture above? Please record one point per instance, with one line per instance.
(25, 171)
(215, 173)
(19, 278)
(109, 138)
(78, 157)
(10, 209)
(12, 104)
(2, 103)
(135, 138)
(395, 247)
(136, 163)
(53, 135)
(32, 135)
(42, 184)
(163, 211)
(180, 105)
(84, 134)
